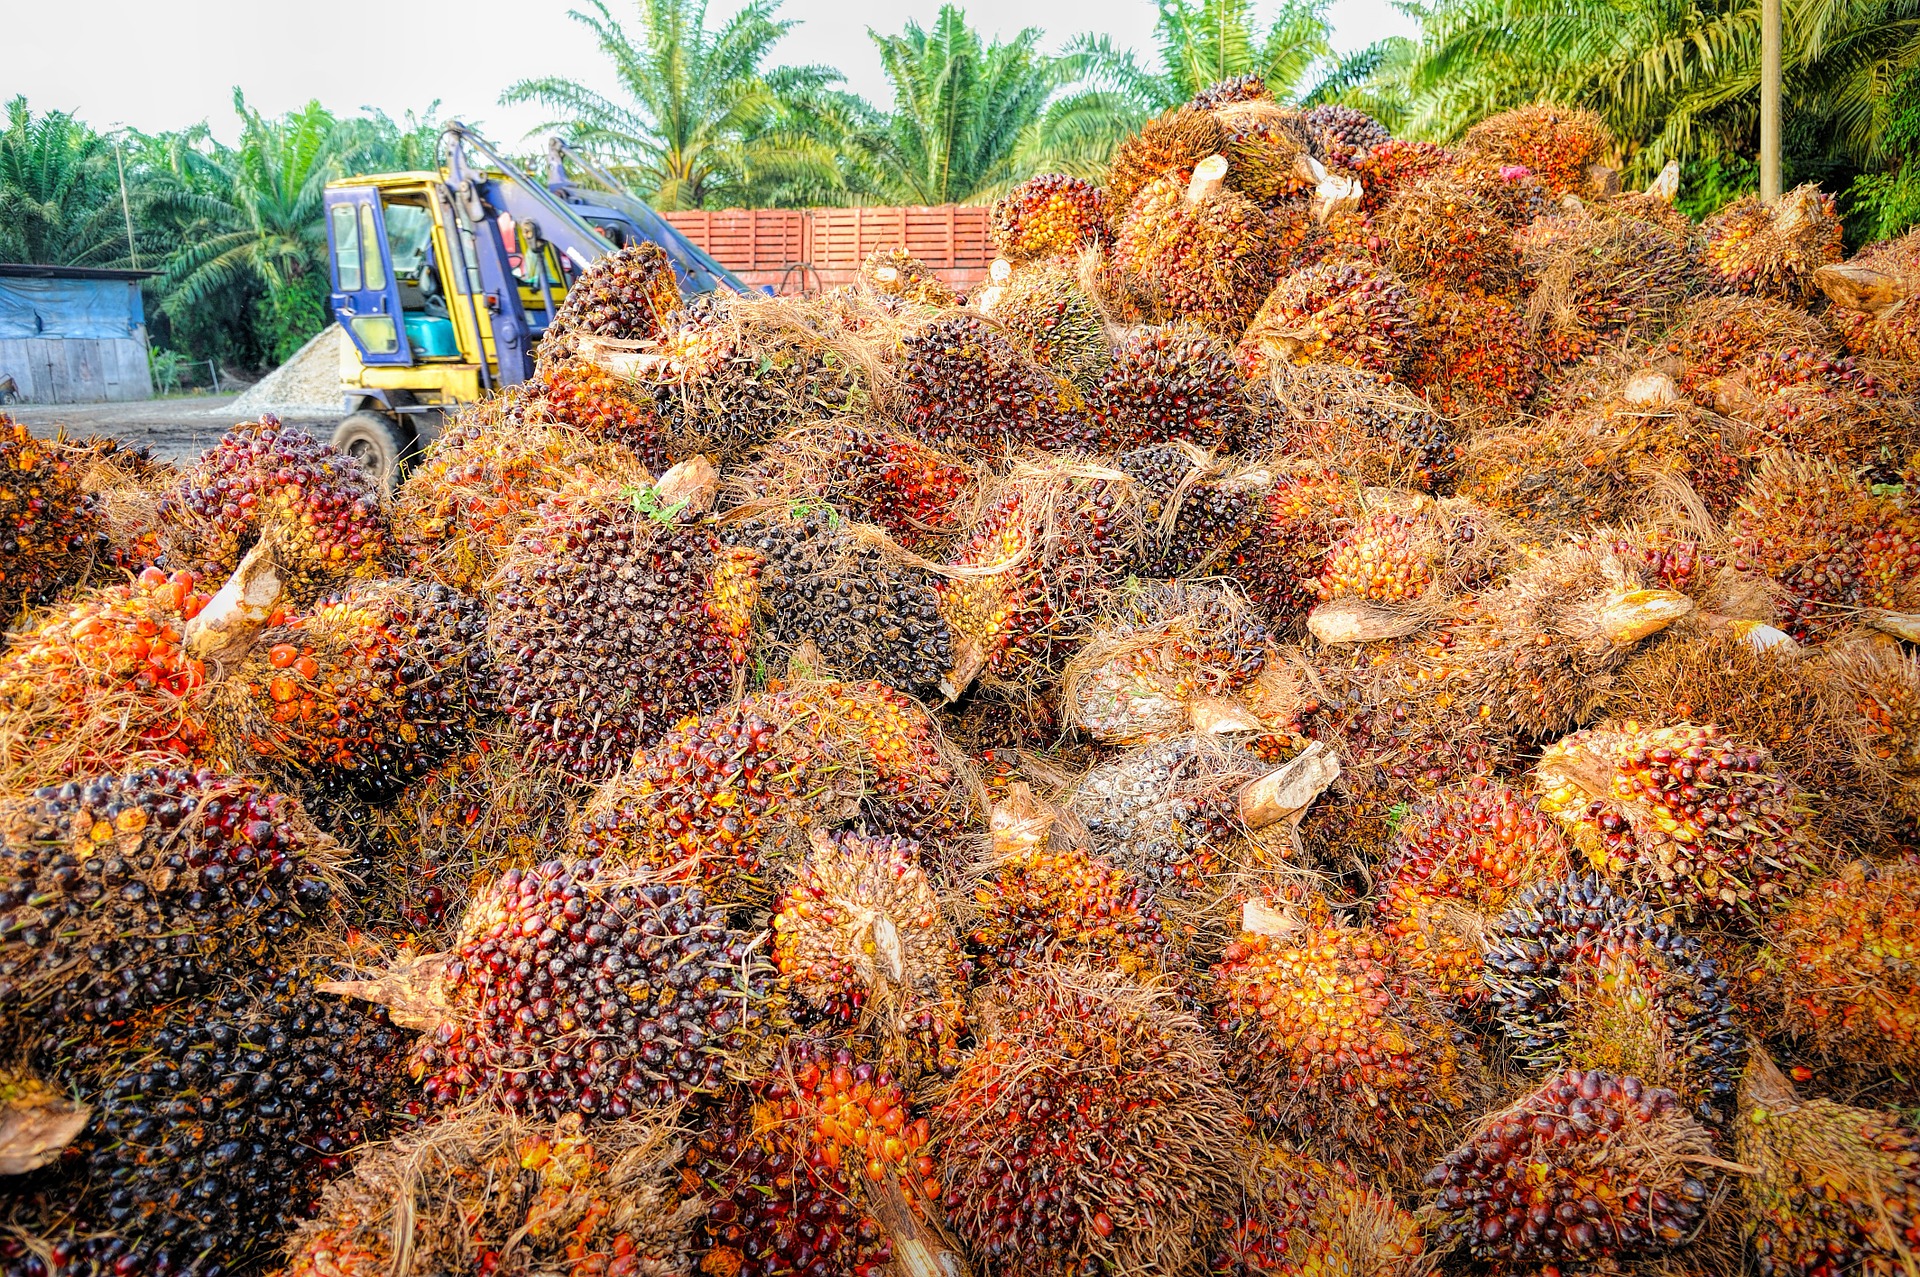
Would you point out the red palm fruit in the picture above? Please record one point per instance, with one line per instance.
(1297, 1217)
(1844, 960)
(50, 529)
(1763, 250)
(1046, 216)
(1475, 353)
(602, 406)
(1203, 245)
(1340, 312)
(1392, 166)
(966, 387)
(1556, 144)
(870, 473)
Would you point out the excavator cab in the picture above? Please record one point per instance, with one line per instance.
(444, 283)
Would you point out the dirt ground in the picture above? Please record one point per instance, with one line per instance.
(174, 429)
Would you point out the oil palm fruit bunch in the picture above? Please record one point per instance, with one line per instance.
(1331, 1042)
(604, 407)
(726, 801)
(50, 530)
(1825, 407)
(1027, 577)
(321, 512)
(491, 1192)
(611, 618)
(1867, 293)
(1196, 511)
(894, 272)
(1835, 1189)
(90, 685)
(1235, 88)
(1401, 562)
(1873, 691)
(1172, 657)
(1828, 540)
(478, 485)
(1844, 960)
(1475, 354)
(1048, 312)
(1265, 147)
(1340, 312)
(965, 387)
(1092, 1126)
(1557, 144)
(1580, 975)
(1387, 168)
(1047, 216)
(577, 987)
(1439, 231)
(365, 694)
(1298, 1217)
(1600, 280)
(627, 295)
(1358, 424)
(1340, 133)
(861, 936)
(1682, 814)
(1591, 1167)
(1203, 244)
(1047, 900)
(869, 472)
(1717, 334)
(1165, 383)
(1279, 564)
(123, 891)
(1457, 858)
(1167, 146)
(869, 617)
(1772, 250)
(122, 483)
(215, 1122)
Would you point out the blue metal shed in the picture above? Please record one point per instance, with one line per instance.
(73, 334)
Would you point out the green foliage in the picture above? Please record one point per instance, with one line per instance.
(59, 192)
(1887, 203)
(164, 367)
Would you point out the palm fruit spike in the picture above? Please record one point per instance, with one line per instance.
(1165, 383)
(1297, 1217)
(1046, 216)
(123, 891)
(319, 509)
(1026, 578)
(895, 272)
(1203, 245)
(1388, 168)
(1342, 312)
(1049, 901)
(1197, 511)
(1385, 558)
(1333, 1044)
(584, 686)
(1173, 657)
(1867, 294)
(1599, 280)
(1168, 146)
(725, 801)
(1773, 250)
(861, 936)
(868, 614)
(1834, 1189)
(216, 1121)
(535, 1197)
(1713, 336)
(1682, 814)
(635, 993)
(89, 686)
(1049, 313)
(1348, 420)
(1457, 858)
(122, 483)
(1475, 353)
(1113, 1100)
(916, 494)
(1578, 974)
(966, 387)
(626, 295)
(1557, 144)
(365, 694)
(1845, 961)
(48, 526)
(1439, 231)
(1592, 1166)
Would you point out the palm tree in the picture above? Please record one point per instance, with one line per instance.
(59, 193)
(701, 121)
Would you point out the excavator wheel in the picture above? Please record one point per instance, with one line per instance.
(380, 444)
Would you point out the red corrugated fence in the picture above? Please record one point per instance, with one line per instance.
(804, 249)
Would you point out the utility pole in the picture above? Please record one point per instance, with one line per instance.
(133, 250)
(1769, 99)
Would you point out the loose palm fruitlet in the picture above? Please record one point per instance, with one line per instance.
(49, 528)
(121, 892)
(610, 619)
(1090, 1128)
(1046, 216)
(578, 987)
(627, 295)
(1557, 144)
(492, 1193)
(1591, 1167)
(1297, 1217)
(90, 686)
(1330, 1042)
(1683, 815)
(862, 937)
(1834, 1189)
(216, 1121)
(1844, 960)
(365, 694)
(320, 512)
(1773, 250)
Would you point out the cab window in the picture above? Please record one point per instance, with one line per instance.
(346, 249)
(374, 261)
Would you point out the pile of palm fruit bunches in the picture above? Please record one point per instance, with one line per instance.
(1347, 711)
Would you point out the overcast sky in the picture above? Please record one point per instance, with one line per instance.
(165, 64)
